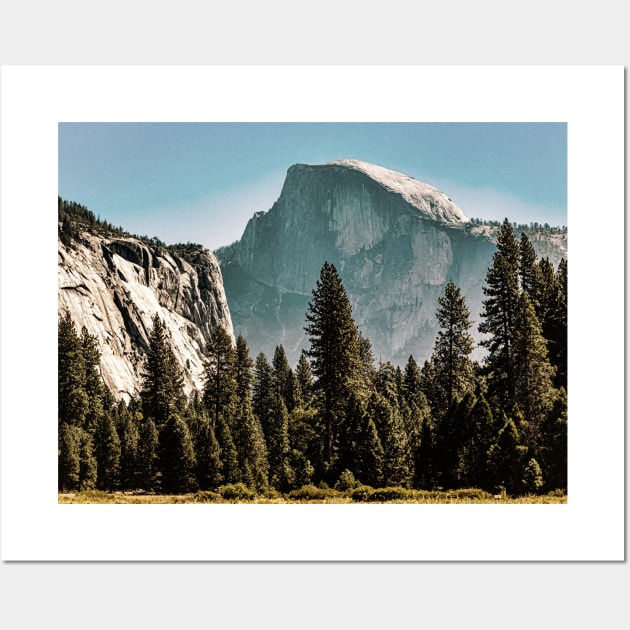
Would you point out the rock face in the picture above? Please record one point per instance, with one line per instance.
(115, 286)
(395, 241)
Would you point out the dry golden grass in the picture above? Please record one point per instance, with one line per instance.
(99, 497)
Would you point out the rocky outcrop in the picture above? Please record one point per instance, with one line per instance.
(395, 241)
(115, 286)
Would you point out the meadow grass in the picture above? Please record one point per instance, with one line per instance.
(329, 496)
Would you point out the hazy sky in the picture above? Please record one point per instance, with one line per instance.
(201, 182)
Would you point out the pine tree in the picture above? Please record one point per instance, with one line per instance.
(176, 457)
(451, 354)
(129, 439)
(397, 460)
(502, 290)
(262, 396)
(304, 377)
(73, 400)
(229, 455)
(282, 377)
(107, 452)
(87, 461)
(533, 373)
(505, 458)
(424, 458)
(529, 271)
(247, 432)
(68, 458)
(147, 454)
(220, 376)
(552, 454)
(412, 383)
(162, 391)
(207, 449)
(335, 354)
(278, 446)
(251, 448)
(243, 366)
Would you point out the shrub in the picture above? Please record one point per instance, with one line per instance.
(206, 496)
(312, 493)
(237, 492)
(346, 481)
(361, 493)
(533, 477)
(395, 493)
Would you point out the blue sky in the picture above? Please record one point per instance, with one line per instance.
(201, 182)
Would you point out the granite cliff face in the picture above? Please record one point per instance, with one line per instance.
(115, 286)
(395, 241)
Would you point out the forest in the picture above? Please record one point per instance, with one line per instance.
(337, 419)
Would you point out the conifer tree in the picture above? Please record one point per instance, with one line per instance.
(107, 452)
(505, 458)
(229, 454)
(397, 459)
(162, 391)
(304, 377)
(335, 354)
(129, 438)
(247, 432)
(552, 454)
(451, 354)
(529, 271)
(176, 457)
(251, 448)
(243, 365)
(424, 458)
(68, 458)
(220, 376)
(263, 391)
(502, 290)
(87, 461)
(73, 400)
(207, 449)
(278, 446)
(412, 383)
(370, 456)
(147, 454)
(533, 374)
(282, 377)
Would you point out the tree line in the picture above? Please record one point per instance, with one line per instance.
(337, 419)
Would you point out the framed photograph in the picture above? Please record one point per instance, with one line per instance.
(391, 172)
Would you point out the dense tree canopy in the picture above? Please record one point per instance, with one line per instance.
(336, 418)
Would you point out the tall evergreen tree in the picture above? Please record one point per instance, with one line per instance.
(147, 454)
(243, 366)
(176, 457)
(107, 452)
(73, 402)
(162, 391)
(451, 354)
(529, 271)
(397, 456)
(334, 351)
(304, 377)
(505, 458)
(534, 392)
(247, 432)
(263, 392)
(283, 378)
(68, 458)
(220, 376)
(207, 450)
(229, 454)
(129, 438)
(502, 290)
